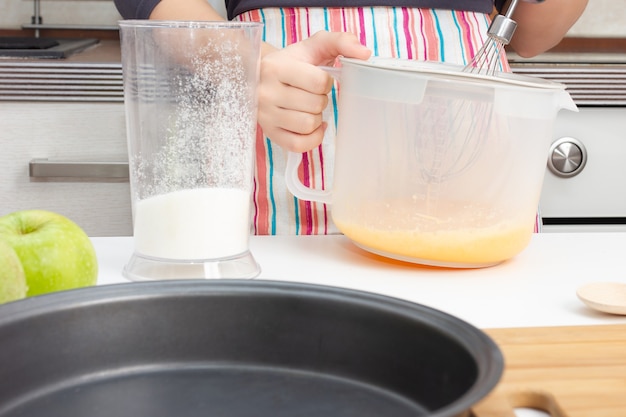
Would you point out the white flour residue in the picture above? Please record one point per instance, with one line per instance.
(209, 124)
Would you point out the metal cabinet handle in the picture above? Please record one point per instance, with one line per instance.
(44, 168)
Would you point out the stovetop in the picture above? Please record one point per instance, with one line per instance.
(49, 48)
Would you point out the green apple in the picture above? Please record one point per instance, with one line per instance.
(55, 252)
(12, 278)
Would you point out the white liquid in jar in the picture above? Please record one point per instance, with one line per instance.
(204, 223)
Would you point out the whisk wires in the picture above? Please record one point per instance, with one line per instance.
(499, 34)
(487, 59)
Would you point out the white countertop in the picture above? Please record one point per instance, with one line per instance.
(536, 288)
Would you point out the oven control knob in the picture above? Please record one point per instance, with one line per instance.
(568, 157)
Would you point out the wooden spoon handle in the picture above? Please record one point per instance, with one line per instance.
(496, 404)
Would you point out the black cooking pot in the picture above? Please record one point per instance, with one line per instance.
(231, 348)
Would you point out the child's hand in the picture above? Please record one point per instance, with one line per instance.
(293, 91)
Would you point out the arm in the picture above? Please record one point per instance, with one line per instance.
(542, 26)
(184, 10)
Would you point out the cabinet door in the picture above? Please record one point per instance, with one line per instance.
(65, 131)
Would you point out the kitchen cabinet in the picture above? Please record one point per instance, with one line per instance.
(581, 188)
(66, 111)
(65, 132)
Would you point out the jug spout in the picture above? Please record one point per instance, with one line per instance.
(565, 101)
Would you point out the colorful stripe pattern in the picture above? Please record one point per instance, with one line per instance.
(424, 34)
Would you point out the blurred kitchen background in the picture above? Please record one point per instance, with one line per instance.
(62, 122)
(15, 13)
(603, 18)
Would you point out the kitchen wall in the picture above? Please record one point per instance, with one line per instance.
(603, 18)
(14, 13)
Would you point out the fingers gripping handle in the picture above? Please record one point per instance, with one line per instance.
(292, 179)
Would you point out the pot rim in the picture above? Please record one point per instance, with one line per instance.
(487, 355)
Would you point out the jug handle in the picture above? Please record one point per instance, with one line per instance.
(292, 180)
(295, 186)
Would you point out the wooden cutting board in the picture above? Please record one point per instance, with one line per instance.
(577, 371)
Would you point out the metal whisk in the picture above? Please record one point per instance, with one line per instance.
(500, 32)
(458, 126)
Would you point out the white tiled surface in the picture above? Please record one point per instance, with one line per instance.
(15, 13)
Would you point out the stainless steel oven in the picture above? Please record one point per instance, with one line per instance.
(585, 181)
